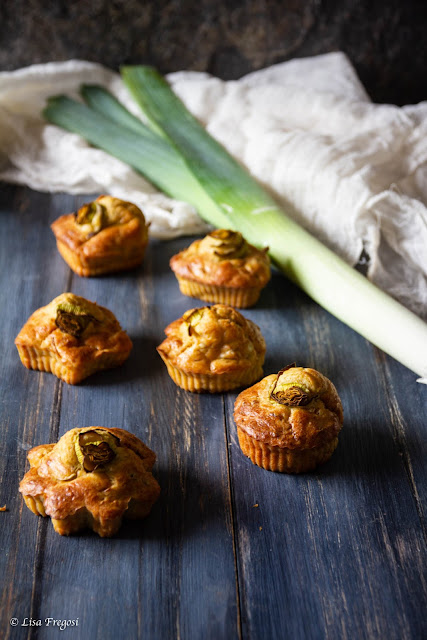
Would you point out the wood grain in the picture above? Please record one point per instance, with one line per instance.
(29, 402)
(338, 553)
(230, 550)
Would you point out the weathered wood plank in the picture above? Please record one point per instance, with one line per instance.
(338, 553)
(407, 407)
(173, 575)
(29, 278)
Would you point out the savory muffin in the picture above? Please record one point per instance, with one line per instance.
(213, 349)
(290, 421)
(72, 338)
(91, 478)
(102, 236)
(222, 267)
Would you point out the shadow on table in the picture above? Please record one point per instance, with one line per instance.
(188, 505)
(143, 361)
(368, 449)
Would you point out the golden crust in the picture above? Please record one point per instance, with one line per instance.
(44, 346)
(241, 298)
(269, 427)
(203, 271)
(58, 484)
(117, 244)
(213, 349)
(281, 459)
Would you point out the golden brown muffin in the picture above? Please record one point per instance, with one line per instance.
(290, 421)
(91, 478)
(222, 267)
(72, 338)
(103, 236)
(213, 349)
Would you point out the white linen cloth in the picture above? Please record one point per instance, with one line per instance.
(352, 172)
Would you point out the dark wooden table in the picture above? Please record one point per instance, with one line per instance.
(229, 550)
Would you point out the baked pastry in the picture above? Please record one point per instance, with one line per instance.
(213, 349)
(91, 478)
(290, 421)
(72, 338)
(222, 267)
(102, 236)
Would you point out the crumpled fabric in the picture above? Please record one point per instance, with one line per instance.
(352, 172)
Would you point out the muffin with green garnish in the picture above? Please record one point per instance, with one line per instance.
(72, 338)
(103, 236)
(213, 349)
(223, 268)
(91, 478)
(289, 422)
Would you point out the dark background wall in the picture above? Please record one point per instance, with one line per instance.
(385, 40)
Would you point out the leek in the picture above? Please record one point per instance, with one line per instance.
(324, 276)
(235, 200)
(135, 144)
(100, 100)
